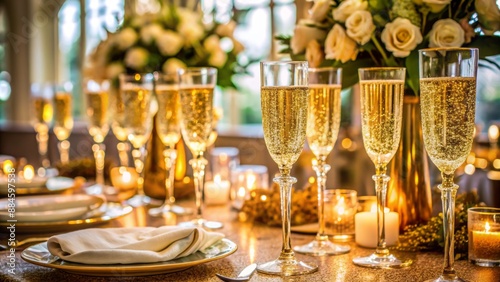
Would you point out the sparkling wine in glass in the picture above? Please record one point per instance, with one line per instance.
(168, 129)
(284, 100)
(117, 112)
(97, 108)
(41, 97)
(382, 91)
(136, 92)
(63, 118)
(323, 123)
(448, 101)
(196, 92)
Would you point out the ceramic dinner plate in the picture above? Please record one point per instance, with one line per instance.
(40, 255)
(48, 208)
(39, 185)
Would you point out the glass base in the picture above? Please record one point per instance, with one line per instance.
(322, 248)
(485, 262)
(447, 278)
(200, 222)
(287, 268)
(139, 201)
(164, 209)
(382, 261)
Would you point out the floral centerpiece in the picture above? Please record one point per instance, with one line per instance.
(173, 38)
(359, 33)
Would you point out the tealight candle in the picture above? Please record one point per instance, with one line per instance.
(124, 178)
(224, 160)
(484, 236)
(217, 191)
(28, 173)
(246, 178)
(366, 228)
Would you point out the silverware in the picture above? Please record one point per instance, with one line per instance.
(18, 244)
(244, 275)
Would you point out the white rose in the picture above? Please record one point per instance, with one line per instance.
(169, 43)
(150, 32)
(114, 69)
(401, 37)
(217, 58)
(346, 8)
(172, 65)
(314, 54)
(226, 30)
(191, 31)
(125, 38)
(360, 26)
(446, 33)
(338, 46)
(319, 10)
(436, 6)
(489, 15)
(211, 43)
(136, 58)
(303, 34)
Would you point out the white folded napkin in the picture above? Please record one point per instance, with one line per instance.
(130, 245)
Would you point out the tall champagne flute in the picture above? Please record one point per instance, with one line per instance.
(382, 92)
(323, 122)
(168, 128)
(41, 96)
(448, 98)
(63, 118)
(97, 107)
(196, 92)
(284, 99)
(136, 93)
(117, 112)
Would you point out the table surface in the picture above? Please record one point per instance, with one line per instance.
(256, 243)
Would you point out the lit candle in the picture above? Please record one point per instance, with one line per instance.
(486, 244)
(366, 228)
(124, 178)
(8, 165)
(28, 173)
(217, 191)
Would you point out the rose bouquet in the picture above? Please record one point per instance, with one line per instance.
(173, 38)
(357, 33)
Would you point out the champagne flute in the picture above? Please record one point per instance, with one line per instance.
(323, 122)
(97, 106)
(63, 119)
(117, 128)
(136, 93)
(168, 128)
(41, 96)
(448, 98)
(196, 92)
(284, 99)
(382, 91)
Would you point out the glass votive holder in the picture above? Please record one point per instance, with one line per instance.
(340, 208)
(224, 160)
(245, 178)
(366, 203)
(483, 225)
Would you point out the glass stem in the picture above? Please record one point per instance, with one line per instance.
(285, 181)
(123, 153)
(170, 156)
(321, 168)
(381, 180)
(198, 165)
(64, 151)
(43, 139)
(448, 193)
(139, 155)
(99, 163)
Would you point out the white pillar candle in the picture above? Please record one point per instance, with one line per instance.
(366, 228)
(217, 191)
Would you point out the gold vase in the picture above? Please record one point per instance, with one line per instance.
(409, 191)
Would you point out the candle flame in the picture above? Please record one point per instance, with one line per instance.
(241, 192)
(263, 198)
(126, 176)
(28, 172)
(487, 227)
(251, 181)
(7, 166)
(493, 132)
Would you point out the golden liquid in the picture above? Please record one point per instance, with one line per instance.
(448, 111)
(284, 120)
(63, 118)
(167, 118)
(43, 114)
(137, 115)
(323, 120)
(97, 112)
(381, 115)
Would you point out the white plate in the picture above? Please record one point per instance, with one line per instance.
(48, 207)
(40, 255)
(38, 186)
(23, 183)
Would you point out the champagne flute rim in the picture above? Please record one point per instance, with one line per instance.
(270, 63)
(321, 69)
(381, 68)
(200, 70)
(448, 49)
